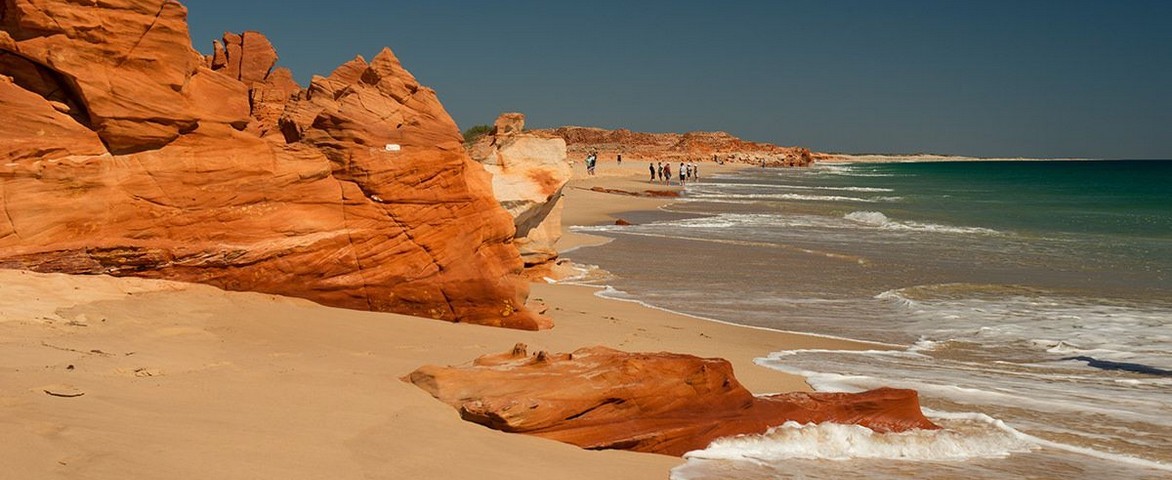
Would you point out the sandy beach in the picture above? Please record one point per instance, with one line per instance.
(127, 378)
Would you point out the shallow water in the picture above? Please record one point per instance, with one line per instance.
(1036, 296)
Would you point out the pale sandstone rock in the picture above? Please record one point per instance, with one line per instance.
(508, 124)
(528, 175)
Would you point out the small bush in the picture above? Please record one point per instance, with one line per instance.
(475, 132)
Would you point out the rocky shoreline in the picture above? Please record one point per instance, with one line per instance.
(142, 158)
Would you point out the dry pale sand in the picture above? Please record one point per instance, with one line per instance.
(104, 378)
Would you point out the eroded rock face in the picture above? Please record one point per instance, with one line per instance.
(666, 403)
(691, 146)
(129, 63)
(140, 157)
(44, 130)
(251, 59)
(528, 174)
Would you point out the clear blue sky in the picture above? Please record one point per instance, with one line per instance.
(1063, 78)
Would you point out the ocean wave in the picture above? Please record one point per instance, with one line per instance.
(755, 221)
(705, 186)
(1052, 325)
(962, 437)
(847, 171)
(879, 220)
(958, 383)
(890, 352)
(700, 195)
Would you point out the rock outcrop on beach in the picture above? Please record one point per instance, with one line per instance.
(599, 398)
(528, 174)
(128, 153)
(691, 146)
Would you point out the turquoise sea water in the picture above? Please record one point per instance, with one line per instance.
(1031, 301)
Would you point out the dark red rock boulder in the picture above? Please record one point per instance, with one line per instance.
(599, 398)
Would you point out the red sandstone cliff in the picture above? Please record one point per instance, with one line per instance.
(692, 146)
(659, 402)
(125, 152)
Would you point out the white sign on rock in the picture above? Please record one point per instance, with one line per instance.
(393, 147)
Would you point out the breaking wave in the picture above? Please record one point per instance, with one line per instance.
(879, 220)
(963, 436)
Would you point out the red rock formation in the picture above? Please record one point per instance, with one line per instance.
(666, 403)
(134, 157)
(251, 59)
(692, 146)
(45, 129)
(129, 63)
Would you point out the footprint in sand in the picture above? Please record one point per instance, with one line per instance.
(139, 372)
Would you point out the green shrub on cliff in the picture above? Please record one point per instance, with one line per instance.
(475, 132)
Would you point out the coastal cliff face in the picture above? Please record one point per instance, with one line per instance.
(692, 146)
(128, 153)
(528, 174)
(599, 398)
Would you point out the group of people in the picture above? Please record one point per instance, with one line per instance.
(662, 171)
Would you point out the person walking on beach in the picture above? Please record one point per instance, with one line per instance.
(619, 159)
(590, 161)
(683, 174)
(651, 166)
(667, 173)
(659, 170)
(696, 171)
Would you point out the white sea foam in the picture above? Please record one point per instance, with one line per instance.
(967, 384)
(879, 220)
(868, 218)
(849, 171)
(586, 275)
(701, 195)
(962, 437)
(703, 187)
(891, 352)
(1038, 321)
(757, 223)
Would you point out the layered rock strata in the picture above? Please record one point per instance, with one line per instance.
(687, 147)
(528, 174)
(126, 152)
(599, 398)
